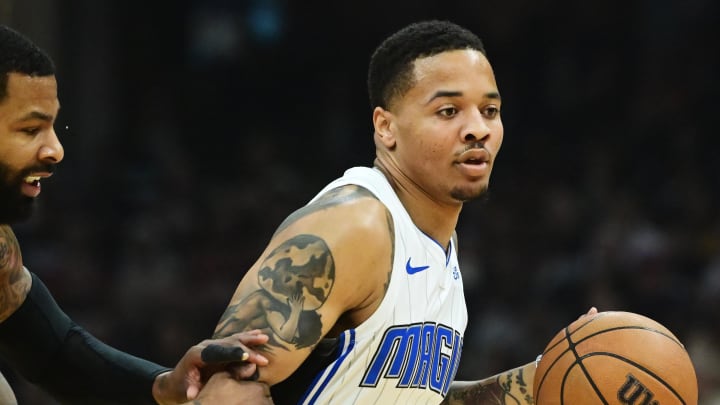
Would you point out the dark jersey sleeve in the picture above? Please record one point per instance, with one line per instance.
(47, 348)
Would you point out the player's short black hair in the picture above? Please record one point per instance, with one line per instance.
(390, 73)
(20, 55)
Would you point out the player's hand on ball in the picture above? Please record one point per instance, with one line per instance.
(615, 358)
(591, 312)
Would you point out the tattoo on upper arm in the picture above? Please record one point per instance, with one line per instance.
(13, 286)
(295, 281)
(332, 198)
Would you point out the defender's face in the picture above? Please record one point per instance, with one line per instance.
(29, 147)
(447, 127)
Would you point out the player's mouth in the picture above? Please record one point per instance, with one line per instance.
(474, 162)
(31, 184)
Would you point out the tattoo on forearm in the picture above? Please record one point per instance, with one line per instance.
(485, 394)
(510, 388)
(295, 281)
(521, 393)
(13, 285)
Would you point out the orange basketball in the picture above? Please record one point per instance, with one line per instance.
(615, 358)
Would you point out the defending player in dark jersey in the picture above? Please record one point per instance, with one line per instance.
(36, 337)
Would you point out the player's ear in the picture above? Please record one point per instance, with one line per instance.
(383, 123)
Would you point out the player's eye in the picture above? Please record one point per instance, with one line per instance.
(32, 131)
(448, 112)
(491, 112)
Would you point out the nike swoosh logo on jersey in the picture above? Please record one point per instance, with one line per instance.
(412, 270)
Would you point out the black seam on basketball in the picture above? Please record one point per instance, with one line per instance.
(557, 358)
(597, 316)
(567, 331)
(564, 380)
(638, 366)
(571, 346)
(659, 332)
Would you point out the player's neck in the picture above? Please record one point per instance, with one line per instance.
(434, 218)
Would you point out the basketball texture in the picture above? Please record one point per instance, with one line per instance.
(615, 358)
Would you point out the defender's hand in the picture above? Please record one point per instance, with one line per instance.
(186, 380)
(223, 389)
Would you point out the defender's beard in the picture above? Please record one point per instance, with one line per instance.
(14, 206)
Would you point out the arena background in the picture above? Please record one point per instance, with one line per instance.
(193, 128)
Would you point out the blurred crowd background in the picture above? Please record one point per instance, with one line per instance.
(193, 128)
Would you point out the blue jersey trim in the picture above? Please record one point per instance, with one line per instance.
(346, 345)
(447, 253)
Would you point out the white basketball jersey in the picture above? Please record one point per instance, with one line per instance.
(408, 351)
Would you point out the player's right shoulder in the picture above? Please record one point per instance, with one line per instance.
(345, 202)
(353, 226)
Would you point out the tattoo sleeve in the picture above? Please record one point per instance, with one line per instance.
(14, 284)
(295, 281)
(330, 199)
(513, 387)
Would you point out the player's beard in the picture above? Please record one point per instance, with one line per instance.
(14, 206)
(467, 195)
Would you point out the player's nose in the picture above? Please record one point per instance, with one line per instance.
(51, 150)
(476, 128)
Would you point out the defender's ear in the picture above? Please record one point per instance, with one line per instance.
(383, 122)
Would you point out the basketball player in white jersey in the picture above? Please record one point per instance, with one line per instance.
(360, 290)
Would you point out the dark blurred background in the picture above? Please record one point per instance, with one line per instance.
(192, 128)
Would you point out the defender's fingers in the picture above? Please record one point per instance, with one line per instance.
(223, 354)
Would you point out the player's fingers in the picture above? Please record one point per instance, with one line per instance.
(243, 371)
(251, 332)
(591, 312)
(192, 391)
(213, 354)
(249, 338)
(257, 358)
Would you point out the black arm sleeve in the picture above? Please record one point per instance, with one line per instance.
(47, 348)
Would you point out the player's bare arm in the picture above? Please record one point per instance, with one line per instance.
(328, 263)
(15, 281)
(511, 387)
